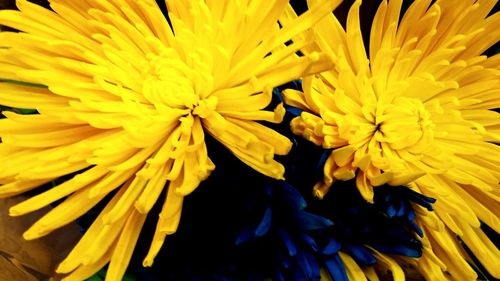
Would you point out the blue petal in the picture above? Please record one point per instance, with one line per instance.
(304, 265)
(315, 273)
(277, 93)
(387, 198)
(246, 234)
(285, 260)
(411, 214)
(280, 277)
(308, 221)
(293, 196)
(308, 240)
(265, 223)
(332, 247)
(403, 208)
(390, 211)
(336, 268)
(292, 249)
(297, 84)
(322, 160)
(294, 111)
(361, 254)
(416, 228)
(399, 250)
(420, 199)
(413, 225)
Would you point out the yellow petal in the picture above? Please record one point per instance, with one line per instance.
(125, 246)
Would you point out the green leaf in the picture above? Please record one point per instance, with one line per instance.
(18, 110)
(22, 83)
(95, 278)
(129, 277)
(25, 111)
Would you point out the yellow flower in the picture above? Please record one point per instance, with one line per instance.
(416, 111)
(129, 97)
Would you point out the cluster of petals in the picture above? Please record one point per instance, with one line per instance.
(415, 107)
(126, 100)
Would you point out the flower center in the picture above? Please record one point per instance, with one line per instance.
(168, 83)
(403, 123)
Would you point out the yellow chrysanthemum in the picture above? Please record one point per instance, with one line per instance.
(129, 97)
(416, 111)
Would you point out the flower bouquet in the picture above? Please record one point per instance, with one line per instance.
(256, 140)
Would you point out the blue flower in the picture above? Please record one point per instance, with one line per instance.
(388, 225)
(288, 230)
(300, 240)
